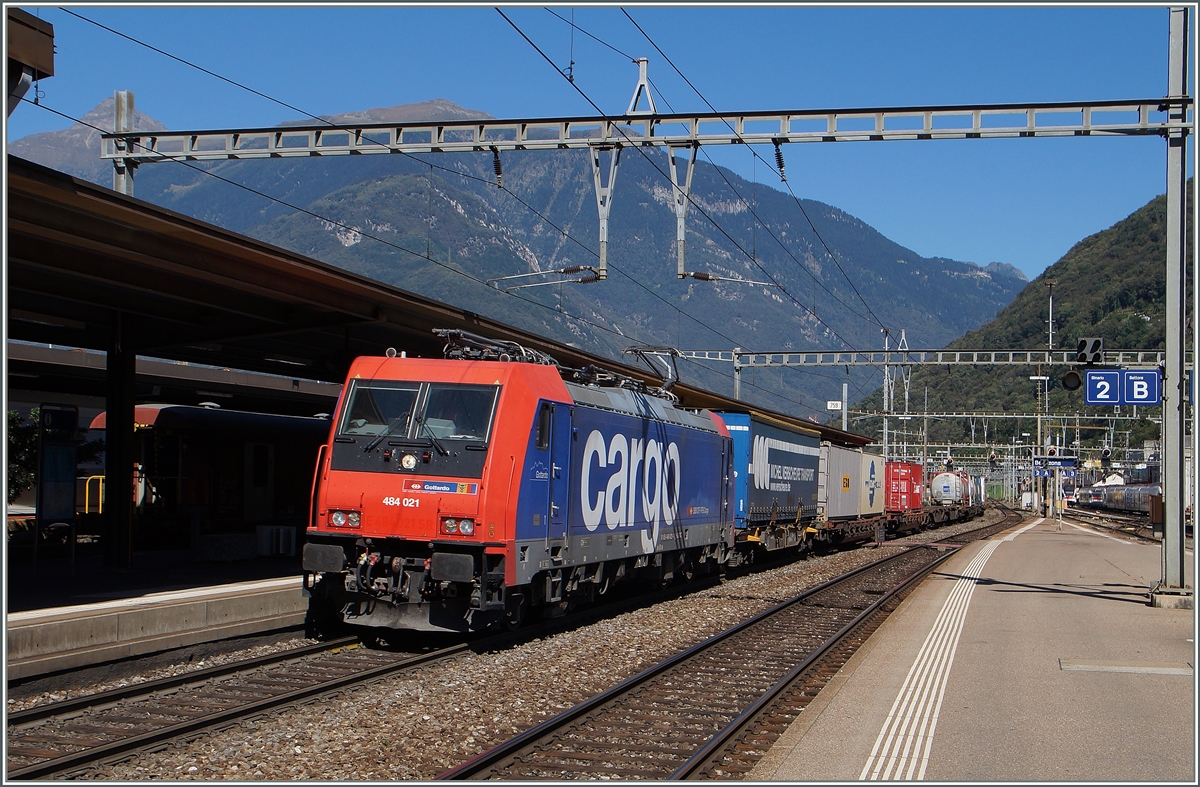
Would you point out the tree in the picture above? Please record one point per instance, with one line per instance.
(22, 452)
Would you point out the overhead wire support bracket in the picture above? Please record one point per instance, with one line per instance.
(682, 194)
(705, 276)
(591, 275)
(604, 193)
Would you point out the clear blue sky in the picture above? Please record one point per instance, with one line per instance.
(1025, 202)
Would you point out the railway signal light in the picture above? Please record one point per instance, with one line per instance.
(1090, 351)
(1072, 381)
(1105, 454)
(1052, 452)
(992, 459)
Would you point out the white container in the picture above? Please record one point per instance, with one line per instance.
(840, 479)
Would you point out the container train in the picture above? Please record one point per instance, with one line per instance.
(468, 492)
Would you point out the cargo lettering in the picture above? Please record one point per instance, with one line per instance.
(629, 472)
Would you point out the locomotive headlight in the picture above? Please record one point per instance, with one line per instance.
(450, 525)
(408, 461)
(338, 518)
(466, 527)
(353, 518)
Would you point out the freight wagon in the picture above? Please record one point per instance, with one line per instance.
(904, 497)
(775, 482)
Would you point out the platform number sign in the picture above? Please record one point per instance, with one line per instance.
(1111, 386)
(1102, 387)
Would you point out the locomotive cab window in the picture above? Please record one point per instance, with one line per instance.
(378, 406)
(417, 411)
(462, 412)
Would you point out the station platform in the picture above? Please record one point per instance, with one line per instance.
(1033, 656)
(61, 618)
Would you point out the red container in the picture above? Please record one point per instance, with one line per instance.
(904, 485)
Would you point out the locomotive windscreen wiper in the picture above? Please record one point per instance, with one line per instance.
(397, 423)
(433, 438)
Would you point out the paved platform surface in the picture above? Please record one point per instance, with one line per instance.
(1033, 656)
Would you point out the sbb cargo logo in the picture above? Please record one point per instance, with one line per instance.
(621, 475)
(444, 487)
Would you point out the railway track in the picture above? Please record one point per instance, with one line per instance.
(71, 737)
(1132, 526)
(62, 738)
(711, 711)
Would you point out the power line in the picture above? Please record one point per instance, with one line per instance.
(369, 236)
(734, 189)
(832, 256)
(652, 163)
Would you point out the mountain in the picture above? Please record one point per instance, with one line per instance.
(439, 226)
(1111, 284)
(76, 150)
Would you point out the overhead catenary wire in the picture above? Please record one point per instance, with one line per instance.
(734, 189)
(458, 172)
(830, 328)
(779, 156)
(691, 201)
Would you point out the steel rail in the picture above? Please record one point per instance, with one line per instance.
(76, 760)
(710, 754)
(82, 703)
(528, 739)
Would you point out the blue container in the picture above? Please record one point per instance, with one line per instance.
(775, 470)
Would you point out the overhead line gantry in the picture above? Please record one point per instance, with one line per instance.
(606, 137)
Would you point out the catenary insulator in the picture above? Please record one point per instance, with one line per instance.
(779, 163)
(496, 166)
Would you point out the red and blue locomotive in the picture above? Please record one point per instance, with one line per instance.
(460, 493)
